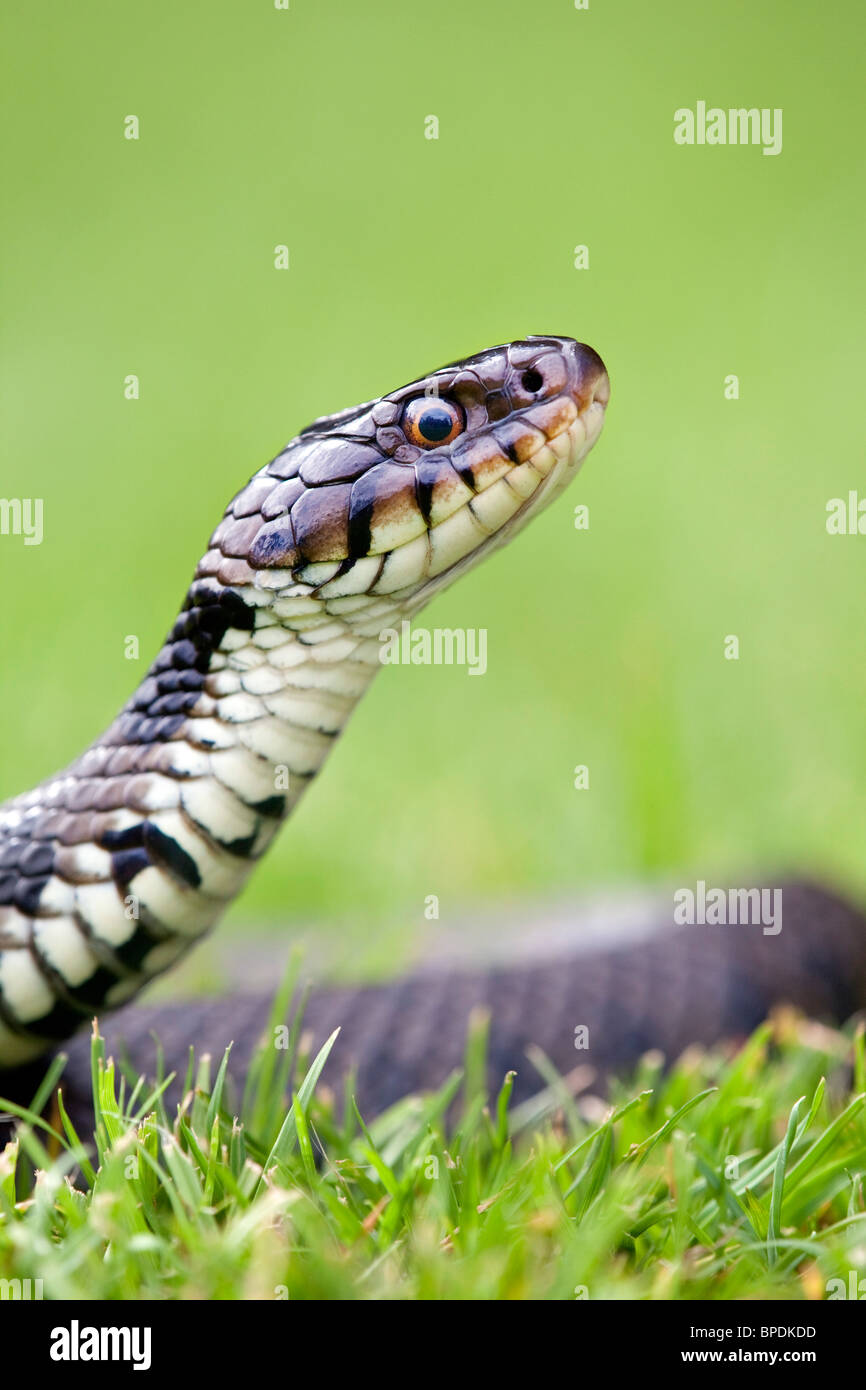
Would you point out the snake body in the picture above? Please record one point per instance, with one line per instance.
(591, 1012)
(112, 870)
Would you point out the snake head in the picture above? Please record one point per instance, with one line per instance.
(393, 496)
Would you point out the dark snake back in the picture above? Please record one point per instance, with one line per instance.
(687, 985)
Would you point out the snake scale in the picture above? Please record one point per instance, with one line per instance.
(113, 869)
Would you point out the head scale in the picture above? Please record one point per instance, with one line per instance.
(390, 497)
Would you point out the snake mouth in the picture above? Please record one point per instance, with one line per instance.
(569, 426)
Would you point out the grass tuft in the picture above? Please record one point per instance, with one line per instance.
(730, 1176)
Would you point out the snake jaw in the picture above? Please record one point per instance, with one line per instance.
(568, 425)
(536, 482)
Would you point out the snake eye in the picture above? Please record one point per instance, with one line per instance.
(428, 422)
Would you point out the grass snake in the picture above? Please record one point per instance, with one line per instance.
(113, 869)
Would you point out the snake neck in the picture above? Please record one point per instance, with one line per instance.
(229, 727)
(110, 871)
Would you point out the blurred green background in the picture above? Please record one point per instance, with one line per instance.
(707, 516)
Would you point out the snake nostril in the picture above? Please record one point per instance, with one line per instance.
(532, 380)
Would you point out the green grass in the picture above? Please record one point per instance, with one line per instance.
(726, 1178)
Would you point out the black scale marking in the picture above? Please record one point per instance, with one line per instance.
(143, 846)
(159, 708)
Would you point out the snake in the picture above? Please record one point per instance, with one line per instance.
(113, 869)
